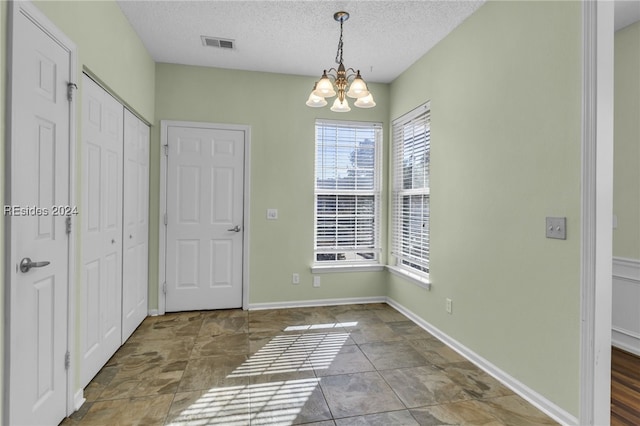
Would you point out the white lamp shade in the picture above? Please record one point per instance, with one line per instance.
(365, 102)
(316, 101)
(324, 88)
(340, 106)
(358, 88)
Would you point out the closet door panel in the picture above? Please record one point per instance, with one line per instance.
(101, 219)
(135, 280)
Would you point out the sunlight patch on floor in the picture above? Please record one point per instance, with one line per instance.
(276, 402)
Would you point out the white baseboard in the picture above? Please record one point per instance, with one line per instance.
(534, 398)
(153, 312)
(78, 400)
(625, 333)
(318, 302)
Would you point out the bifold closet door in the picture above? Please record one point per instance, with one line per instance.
(135, 265)
(101, 218)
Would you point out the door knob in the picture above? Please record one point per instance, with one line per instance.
(235, 229)
(26, 264)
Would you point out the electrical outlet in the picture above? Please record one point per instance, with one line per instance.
(316, 281)
(449, 306)
(295, 278)
(272, 214)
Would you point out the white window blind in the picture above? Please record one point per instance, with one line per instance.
(411, 158)
(347, 192)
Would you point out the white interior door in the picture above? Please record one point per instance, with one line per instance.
(205, 181)
(40, 141)
(135, 265)
(102, 150)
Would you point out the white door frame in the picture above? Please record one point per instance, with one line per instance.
(597, 210)
(162, 240)
(74, 397)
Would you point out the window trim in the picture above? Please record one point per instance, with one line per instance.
(375, 264)
(418, 277)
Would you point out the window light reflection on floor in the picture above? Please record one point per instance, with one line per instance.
(271, 402)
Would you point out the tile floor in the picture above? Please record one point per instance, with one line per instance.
(336, 365)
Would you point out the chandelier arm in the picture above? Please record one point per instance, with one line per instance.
(353, 73)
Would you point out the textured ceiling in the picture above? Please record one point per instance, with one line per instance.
(381, 38)
(626, 12)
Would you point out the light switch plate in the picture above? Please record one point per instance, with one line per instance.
(557, 227)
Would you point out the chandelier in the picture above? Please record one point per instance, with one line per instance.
(326, 88)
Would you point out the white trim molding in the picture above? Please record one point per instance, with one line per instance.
(596, 212)
(317, 302)
(78, 399)
(625, 327)
(533, 397)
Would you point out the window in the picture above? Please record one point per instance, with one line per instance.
(347, 193)
(411, 152)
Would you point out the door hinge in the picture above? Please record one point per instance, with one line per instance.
(166, 149)
(67, 360)
(164, 287)
(166, 220)
(70, 88)
(67, 222)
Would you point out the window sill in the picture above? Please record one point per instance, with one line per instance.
(418, 280)
(364, 267)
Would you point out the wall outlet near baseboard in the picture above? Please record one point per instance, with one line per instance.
(449, 306)
(316, 281)
(295, 278)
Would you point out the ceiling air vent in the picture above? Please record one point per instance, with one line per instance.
(223, 43)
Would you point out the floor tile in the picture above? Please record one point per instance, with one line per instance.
(149, 410)
(436, 352)
(221, 344)
(385, 355)
(409, 330)
(359, 394)
(474, 381)
(224, 322)
(288, 402)
(419, 386)
(218, 371)
(373, 331)
(390, 418)
(169, 326)
(146, 351)
(513, 410)
(457, 413)
(348, 359)
(217, 406)
(142, 380)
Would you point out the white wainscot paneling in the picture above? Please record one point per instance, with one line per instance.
(625, 332)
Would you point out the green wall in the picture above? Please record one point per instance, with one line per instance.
(505, 92)
(109, 48)
(626, 175)
(282, 169)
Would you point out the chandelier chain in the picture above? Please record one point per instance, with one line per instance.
(339, 52)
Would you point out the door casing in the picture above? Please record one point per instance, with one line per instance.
(162, 243)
